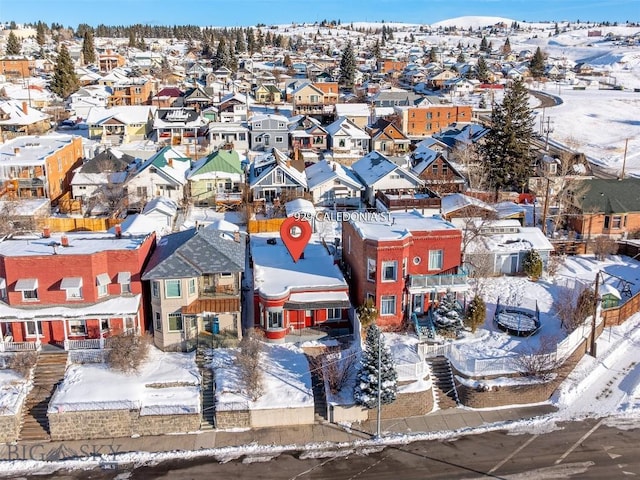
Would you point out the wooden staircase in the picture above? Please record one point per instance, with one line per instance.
(443, 383)
(207, 398)
(48, 373)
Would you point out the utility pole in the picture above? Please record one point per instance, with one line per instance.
(545, 207)
(596, 298)
(379, 419)
(624, 158)
(547, 130)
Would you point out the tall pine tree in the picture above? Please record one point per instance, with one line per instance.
(64, 81)
(507, 148)
(88, 48)
(366, 390)
(40, 34)
(536, 66)
(483, 70)
(506, 48)
(13, 44)
(347, 67)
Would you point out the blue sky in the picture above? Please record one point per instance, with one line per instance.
(250, 12)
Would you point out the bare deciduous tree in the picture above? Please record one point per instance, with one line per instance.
(541, 361)
(249, 358)
(128, 351)
(603, 247)
(573, 306)
(339, 366)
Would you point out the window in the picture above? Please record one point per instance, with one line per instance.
(279, 139)
(209, 187)
(155, 289)
(388, 305)
(31, 328)
(172, 289)
(278, 177)
(3, 288)
(226, 275)
(158, 322)
(334, 314)
(435, 259)
(105, 325)
(445, 169)
(102, 284)
(607, 222)
(175, 322)
(371, 269)
(389, 271)
(124, 279)
(192, 286)
(77, 327)
(274, 319)
(29, 289)
(434, 169)
(617, 221)
(416, 260)
(404, 267)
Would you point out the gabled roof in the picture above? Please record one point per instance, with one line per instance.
(161, 204)
(126, 114)
(346, 127)
(224, 161)
(323, 171)
(608, 196)
(375, 166)
(15, 110)
(110, 160)
(269, 162)
(195, 252)
(169, 163)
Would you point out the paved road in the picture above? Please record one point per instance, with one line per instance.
(582, 450)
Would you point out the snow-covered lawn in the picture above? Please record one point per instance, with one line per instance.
(285, 374)
(167, 383)
(13, 390)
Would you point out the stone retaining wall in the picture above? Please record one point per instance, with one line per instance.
(406, 405)
(9, 428)
(233, 419)
(90, 424)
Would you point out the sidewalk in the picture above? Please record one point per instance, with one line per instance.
(291, 437)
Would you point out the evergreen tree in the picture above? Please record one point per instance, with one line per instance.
(221, 58)
(40, 34)
(433, 55)
(88, 48)
(484, 46)
(375, 51)
(461, 58)
(483, 70)
(448, 314)
(532, 264)
(347, 66)
(132, 38)
(536, 66)
(366, 390)
(65, 80)
(476, 313)
(506, 48)
(13, 44)
(506, 150)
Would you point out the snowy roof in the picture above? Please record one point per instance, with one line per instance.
(161, 204)
(458, 201)
(32, 150)
(170, 163)
(153, 389)
(346, 127)
(299, 205)
(402, 225)
(324, 171)
(127, 114)
(375, 166)
(276, 274)
(217, 165)
(17, 116)
(352, 110)
(526, 238)
(112, 307)
(80, 243)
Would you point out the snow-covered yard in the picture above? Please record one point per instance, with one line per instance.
(13, 390)
(167, 384)
(285, 375)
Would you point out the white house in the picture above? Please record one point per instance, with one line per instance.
(332, 184)
(271, 174)
(378, 173)
(346, 136)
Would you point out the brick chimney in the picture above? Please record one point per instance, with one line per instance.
(64, 241)
(236, 236)
(25, 108)
(118, 230)
(16, 151)
(46, 232)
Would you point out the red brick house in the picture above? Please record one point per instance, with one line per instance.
(71, 290)
(404, 264)
(289, 296)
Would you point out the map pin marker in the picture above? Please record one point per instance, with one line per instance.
(295, 235)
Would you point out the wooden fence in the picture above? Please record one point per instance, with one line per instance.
(80, 224)
(618, 315)
(265, 226)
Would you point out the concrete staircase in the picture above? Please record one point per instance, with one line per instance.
(317, 385)
(207, 399)
(48, 373)
(443, 384)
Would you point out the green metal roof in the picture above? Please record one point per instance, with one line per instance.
(227, 161)
(608, 196)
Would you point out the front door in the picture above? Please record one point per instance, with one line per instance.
(418, 303)
(308, 318)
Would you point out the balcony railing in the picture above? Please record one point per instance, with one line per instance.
(438, 281)
(410, 200)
